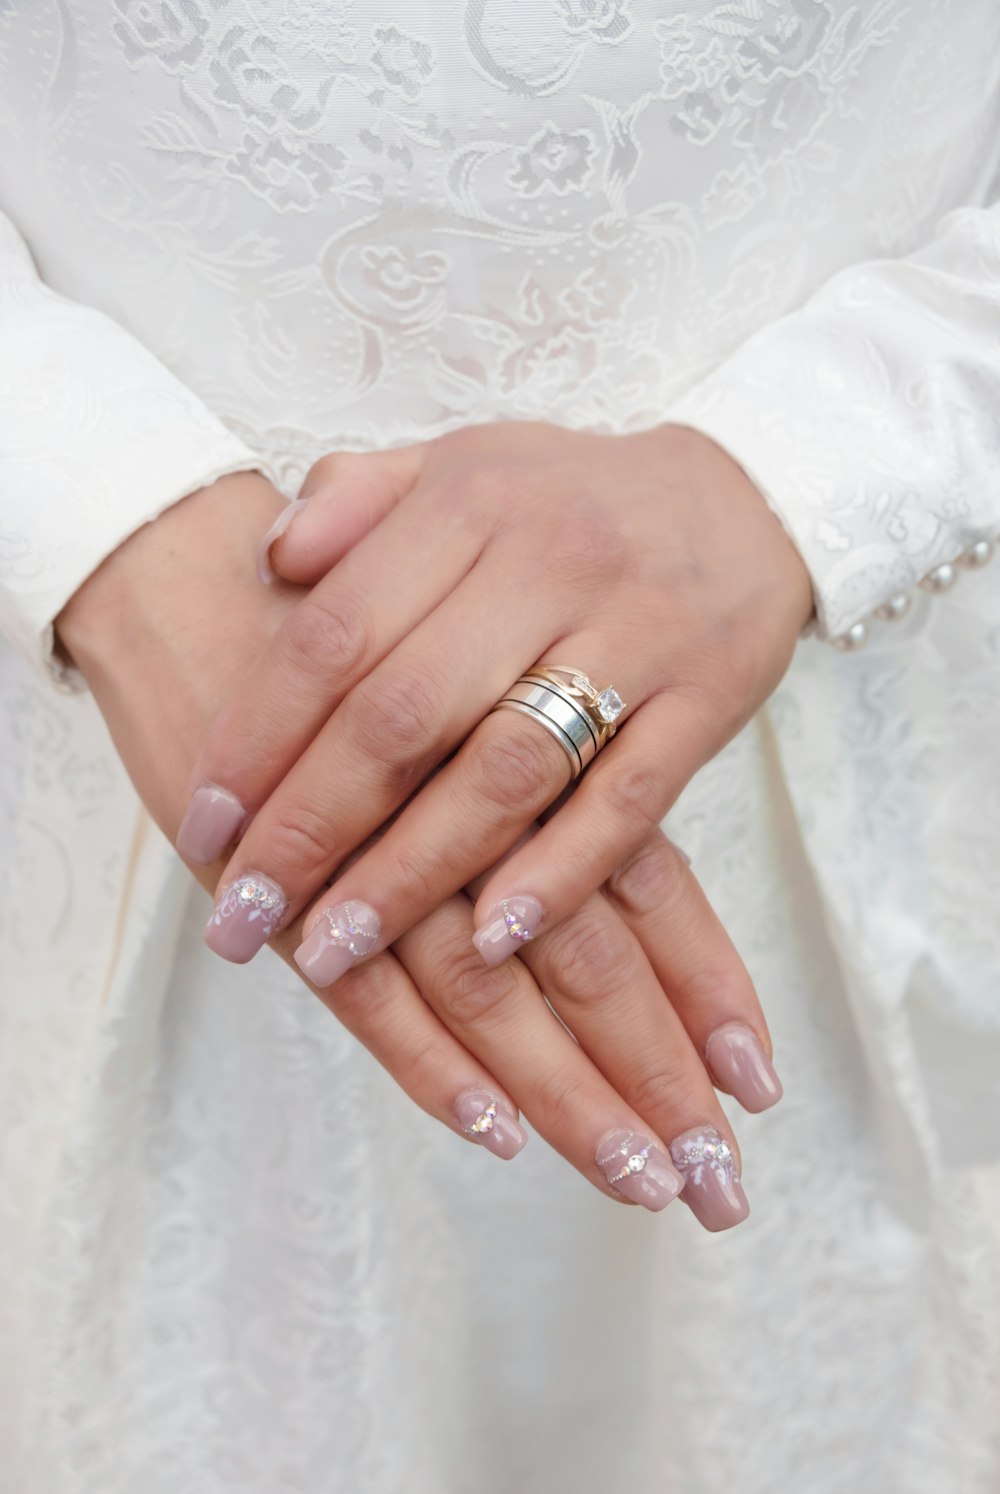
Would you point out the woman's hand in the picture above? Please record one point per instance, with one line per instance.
(648, 561)
(165, 630)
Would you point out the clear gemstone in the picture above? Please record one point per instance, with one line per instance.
(636, 1163)
(609, 705)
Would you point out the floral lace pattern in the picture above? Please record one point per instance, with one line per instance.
(234, 1257)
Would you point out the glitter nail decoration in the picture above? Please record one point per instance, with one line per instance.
(485, 1121)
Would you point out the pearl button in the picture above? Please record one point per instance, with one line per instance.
(855, 637)
(977, 555)
(940, 578)
(895, 608)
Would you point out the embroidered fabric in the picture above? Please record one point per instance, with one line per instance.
(232, 1256)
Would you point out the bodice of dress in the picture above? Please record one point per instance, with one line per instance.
(317, 212)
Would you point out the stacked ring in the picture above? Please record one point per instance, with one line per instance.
(563, 701)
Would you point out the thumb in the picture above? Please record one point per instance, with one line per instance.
(344, 496)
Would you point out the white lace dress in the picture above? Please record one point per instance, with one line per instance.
(232, 1257)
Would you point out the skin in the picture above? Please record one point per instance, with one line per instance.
(177, 615)
(649, 560)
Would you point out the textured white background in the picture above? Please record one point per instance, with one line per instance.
(232, 1257)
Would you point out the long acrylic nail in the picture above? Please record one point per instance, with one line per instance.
(490, 1120)
(210, 824)
(345, 934)
(245, 916)
(265, 570)
(511, 923)
(738, 1061)
(637, 1167)
(712, 1185)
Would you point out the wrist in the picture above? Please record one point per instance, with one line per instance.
(201, 546)
(165, 628)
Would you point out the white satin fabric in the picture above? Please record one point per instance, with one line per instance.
(232, 1256)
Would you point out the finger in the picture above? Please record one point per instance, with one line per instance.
(332, 639)
(382, 1007)
(694, 960)
(600, 983)
(506, 773)
(384, 740)
(501, 1017)
(609, 814)
(343, 497)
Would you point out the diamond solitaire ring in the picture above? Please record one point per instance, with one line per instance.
(563, 700)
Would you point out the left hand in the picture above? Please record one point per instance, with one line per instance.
(648, 561)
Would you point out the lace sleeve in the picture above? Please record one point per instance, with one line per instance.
(870, 420)
(96, 438)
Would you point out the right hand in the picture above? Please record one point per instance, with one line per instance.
(177, 616)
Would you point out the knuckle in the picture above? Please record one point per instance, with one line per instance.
(329, 635)
(419, 876)
(299, 843)
(511, 770)
(566, 1103)
(651, 879)
(395, 719)
(590, 956)
(720, 973)
(668, 1087)
(472, 992)
(632, 793)
(365, 995)
(425, 1062)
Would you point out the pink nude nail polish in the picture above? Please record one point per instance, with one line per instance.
(638, 1168)
(345, 934)
(491, 1121)
(245, 916)
(265, 570)
(510, 924)
(211, 822)
(712, 1185)
(741, 1066)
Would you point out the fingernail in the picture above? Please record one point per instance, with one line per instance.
(711, 1183)
(210, 824)
(637, 1167)
(490, 1120)
(738, 1061)
(265, 570)
(246, 915)
(345, 934)
(511, 923)
(679, 849)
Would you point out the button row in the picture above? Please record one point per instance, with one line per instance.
(940, 579)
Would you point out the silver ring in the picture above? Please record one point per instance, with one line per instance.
(559, 716)
(569, 708)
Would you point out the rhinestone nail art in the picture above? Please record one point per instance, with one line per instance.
(712, 1186)
(705, 1149)
(484, 1121)
(344, 934)
(639, 1169)
(490, 1122)
(245, 916)
(511, 923)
